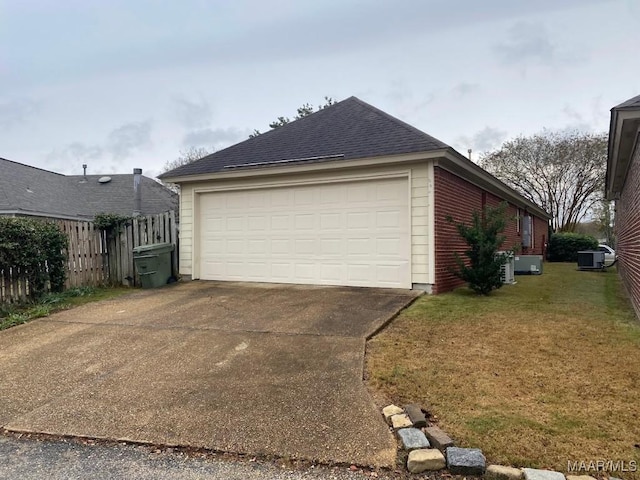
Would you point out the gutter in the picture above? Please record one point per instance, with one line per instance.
(445, 157)
(28, 213)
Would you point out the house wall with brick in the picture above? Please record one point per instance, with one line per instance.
(458, 198)
(628, 230)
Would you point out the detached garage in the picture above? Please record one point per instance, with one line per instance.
(345, 196)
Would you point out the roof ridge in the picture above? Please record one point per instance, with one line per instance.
(398, 122)
(270, 132)
(31, 166)
(290, 122)
(350, 127)
(100, 175)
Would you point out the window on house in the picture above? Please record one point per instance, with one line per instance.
(518, 221)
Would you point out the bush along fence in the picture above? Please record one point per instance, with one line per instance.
(32, 258)
(89, 253)
(564, 247)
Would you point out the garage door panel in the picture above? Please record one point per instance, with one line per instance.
(257, 271)
(282, 271)
(305, 221)
(358, 247)
(351, 233)
(257, 245)
(303, 196)
(358, 220)
(305, 271)
(331, 272)
(388, 246)
(257, 223)
(279, 222)
(330, 221)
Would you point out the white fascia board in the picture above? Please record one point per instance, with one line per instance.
(623, 137)
(309, 168)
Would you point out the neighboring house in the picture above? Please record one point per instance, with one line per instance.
(623, 186)
(346, 196)
(31, 191)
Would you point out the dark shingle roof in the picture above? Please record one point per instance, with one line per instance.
(34, 191)
(632, 103)
(346, 130)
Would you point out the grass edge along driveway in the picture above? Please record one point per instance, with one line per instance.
(538, 374)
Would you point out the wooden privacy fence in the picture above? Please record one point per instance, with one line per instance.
(13, 286)
(146, 230)
(96, 258)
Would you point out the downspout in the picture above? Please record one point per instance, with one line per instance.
(137, 191)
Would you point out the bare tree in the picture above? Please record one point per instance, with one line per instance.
(188, 155)
(604, 212)
(303, 111)
(563, 172)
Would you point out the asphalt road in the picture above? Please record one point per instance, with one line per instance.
(34, 459)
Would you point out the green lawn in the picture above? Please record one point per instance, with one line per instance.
(536, 374)
(12, 315)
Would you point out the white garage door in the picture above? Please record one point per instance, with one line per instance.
(351, 233)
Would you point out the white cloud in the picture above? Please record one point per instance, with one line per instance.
(208, 137)
(193, 114)
(483, 141)
(123, 141)
(526, 42)
(17, 111)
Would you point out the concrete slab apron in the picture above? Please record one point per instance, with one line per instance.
(286, 394)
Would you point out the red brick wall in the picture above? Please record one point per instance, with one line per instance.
(628, 231)
(458, 198)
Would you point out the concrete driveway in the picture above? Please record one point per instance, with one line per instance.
(248, 368)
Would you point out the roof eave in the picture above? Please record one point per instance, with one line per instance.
(623, 138)
(259, 171)
(459, 164)
(35, 213)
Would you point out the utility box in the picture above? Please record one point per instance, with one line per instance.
(528, 265)
(590, 260)
(506, 271)
(153, 264)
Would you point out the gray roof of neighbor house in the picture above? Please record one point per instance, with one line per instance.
(346, 130)
(27, 190)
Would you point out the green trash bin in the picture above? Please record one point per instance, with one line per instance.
(153, 264)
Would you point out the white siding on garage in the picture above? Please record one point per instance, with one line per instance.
(186, 229)
(341, 233)
(421, 220)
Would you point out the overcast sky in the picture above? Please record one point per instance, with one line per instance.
(119, 84)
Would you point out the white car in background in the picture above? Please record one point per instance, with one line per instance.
(609, 254)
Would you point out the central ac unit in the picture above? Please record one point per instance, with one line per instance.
(507, 269)
(590, 260)
(528, 264)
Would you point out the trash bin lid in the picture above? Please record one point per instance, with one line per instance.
(155, 248)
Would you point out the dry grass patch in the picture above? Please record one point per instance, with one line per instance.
(537, 374)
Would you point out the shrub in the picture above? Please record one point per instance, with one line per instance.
(37, 249)
(564, 247)
(484, 238)
(110, 222)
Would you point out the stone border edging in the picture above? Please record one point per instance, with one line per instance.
(430, 449)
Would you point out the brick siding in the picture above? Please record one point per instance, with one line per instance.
(458, 198)
(628, 231)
